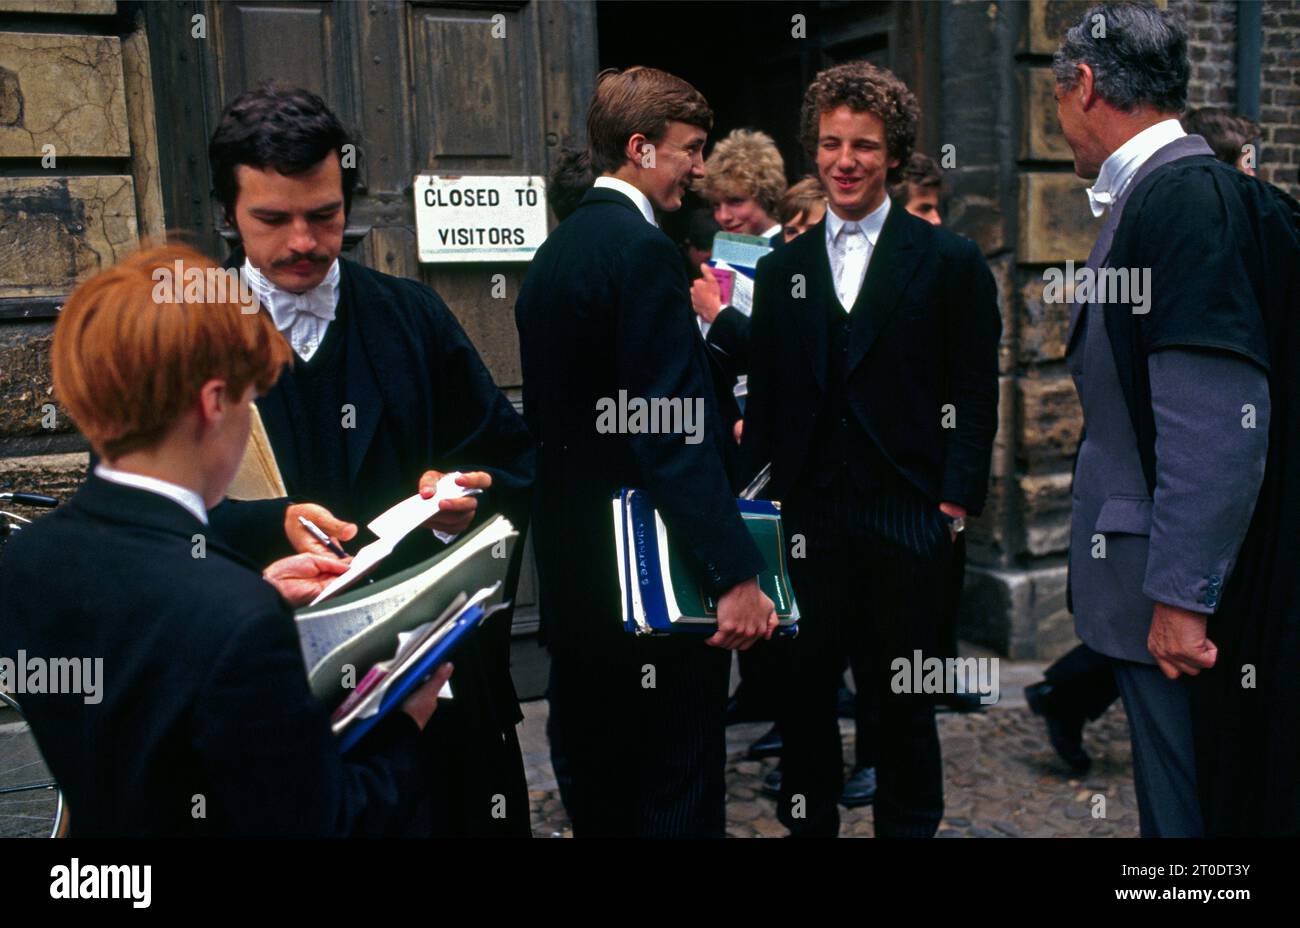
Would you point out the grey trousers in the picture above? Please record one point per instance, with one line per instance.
(1164, 765)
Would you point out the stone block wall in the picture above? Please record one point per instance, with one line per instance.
(79, 188)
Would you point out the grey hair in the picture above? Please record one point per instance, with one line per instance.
(1140, 59)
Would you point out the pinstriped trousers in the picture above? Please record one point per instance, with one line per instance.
(873, 582)
(637, 731)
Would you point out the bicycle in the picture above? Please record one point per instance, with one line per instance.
(31, 804)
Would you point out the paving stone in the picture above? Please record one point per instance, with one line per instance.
(1001, 778)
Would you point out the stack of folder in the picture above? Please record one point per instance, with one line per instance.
(419, 652)
(660, 591)
(387, 637)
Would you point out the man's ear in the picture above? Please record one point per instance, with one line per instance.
(213, 404)
(1087, 87)
(634, 150)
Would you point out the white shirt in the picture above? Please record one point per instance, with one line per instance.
(851, 253)
(1118, 169)
(773, 231)
(301, 317)
(636, 196)
(182, 496)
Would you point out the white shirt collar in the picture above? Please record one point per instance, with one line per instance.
(1118, 169)
(639, 199)
(871, 224)
(178, 494)
(302, 317)
(772, 231)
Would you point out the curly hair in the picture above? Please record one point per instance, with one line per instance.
(863, 87)
(746, 164)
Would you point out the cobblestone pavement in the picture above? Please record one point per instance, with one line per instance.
(1001, 776)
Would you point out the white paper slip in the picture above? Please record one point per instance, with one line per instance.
(392, 526)
(414, 511)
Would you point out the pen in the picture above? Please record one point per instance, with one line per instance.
(321, 536)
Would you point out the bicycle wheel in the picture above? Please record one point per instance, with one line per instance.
(31, 805)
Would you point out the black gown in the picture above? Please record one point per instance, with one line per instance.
(422, 400)
(1245, 710)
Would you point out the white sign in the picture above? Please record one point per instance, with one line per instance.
(462, 218)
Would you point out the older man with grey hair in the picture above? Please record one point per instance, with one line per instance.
(1171, 353)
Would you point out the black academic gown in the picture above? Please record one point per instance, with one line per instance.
(423, 400)
(1246, 710)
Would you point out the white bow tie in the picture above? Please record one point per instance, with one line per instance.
(1099, 200)
(318, 301)
(286, 307)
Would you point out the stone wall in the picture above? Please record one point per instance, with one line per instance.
(79, 187)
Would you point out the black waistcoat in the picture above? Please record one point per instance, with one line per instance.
(315, 392)
(846, 472)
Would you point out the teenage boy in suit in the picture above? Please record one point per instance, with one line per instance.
(873, 393)
(605, 311)
(202, 723)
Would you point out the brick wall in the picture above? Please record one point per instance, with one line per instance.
(1212, 28)
(1279, 94)
(1212, 25)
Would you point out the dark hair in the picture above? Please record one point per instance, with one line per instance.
(640, 100)
(569, 180)
(922, 171)
(1138, 55)
(864, 88)
(288, 129)
(1224, 131)
(701, 227)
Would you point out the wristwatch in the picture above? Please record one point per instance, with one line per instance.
(956, 523)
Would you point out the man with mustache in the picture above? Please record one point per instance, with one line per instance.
(873, 394)
(385, 393)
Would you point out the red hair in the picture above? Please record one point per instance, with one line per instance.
(134, 344)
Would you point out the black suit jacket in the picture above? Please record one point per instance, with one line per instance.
(203, 690)
(924, 335)
(606, 308)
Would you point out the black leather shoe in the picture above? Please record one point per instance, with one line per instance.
(860, 789)
(960, 702)
(769, 745)
(1064, 731)
(772, 784)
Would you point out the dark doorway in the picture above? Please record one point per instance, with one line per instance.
(752, 67)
